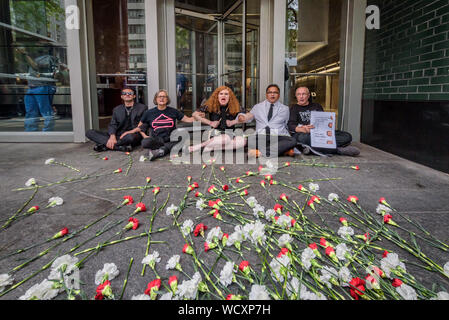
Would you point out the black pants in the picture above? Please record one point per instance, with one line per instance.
(342, 139)
(100, 137)
(154, 143)
(284, 143)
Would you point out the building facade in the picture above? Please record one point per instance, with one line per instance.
(63, 62)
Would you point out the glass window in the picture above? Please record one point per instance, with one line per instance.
(34, 77)
(313, 50)
(120, 55)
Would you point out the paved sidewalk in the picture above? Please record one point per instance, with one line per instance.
(415, 191)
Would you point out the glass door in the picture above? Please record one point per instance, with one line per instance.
(196, 59)
(241, 51)
(233, 62)
(214, 49)
(120, 59)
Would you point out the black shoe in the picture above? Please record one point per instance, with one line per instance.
(155, 154)
(124, 148)
(100, 148)
(348, 151)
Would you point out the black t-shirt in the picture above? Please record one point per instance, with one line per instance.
(160, 122)
(300, 115)
(222, 115)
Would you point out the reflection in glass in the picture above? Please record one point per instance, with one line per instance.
(196, 61)
(313, 50)
(120, 56)
(34, 78)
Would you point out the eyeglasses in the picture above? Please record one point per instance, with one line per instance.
(272, 92)
(125, 93)
(165, 97)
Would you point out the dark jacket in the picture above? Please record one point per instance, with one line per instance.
(118, 123)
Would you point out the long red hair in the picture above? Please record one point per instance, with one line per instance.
(213, 105)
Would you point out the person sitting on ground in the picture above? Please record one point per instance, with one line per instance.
(125, 118)
(160, 122)
(223, 108)
(271, 123)
(299, 125)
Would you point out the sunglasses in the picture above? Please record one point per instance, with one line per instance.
(124, 93)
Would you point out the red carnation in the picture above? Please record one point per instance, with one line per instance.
(278, 208)
(357, 287)
(187, 249)
(128, 200)
(61, 233)
(140, 207)
(396, 282)
(283, 252)
(133, 223)
(244, 267)
(199, 230)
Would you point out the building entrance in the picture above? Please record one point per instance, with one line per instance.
(216, 46)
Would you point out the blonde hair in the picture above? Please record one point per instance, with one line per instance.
(213, 105)
(157, 93)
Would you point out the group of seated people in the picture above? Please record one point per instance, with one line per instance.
(134, 124)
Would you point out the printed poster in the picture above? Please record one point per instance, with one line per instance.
(323, 135)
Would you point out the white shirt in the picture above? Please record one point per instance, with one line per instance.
(277, 124)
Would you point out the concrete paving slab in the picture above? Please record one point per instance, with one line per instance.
(413, 190)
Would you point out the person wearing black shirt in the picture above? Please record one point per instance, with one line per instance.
(223, 108)
(299, 126)
(125, 118)
(160, 122)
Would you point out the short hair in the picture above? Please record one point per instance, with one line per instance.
(129, 88)
(273, 85)
(157, 93)
(298, 87)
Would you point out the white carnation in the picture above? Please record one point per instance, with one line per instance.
(341, 250)
(30, 182)
(344, 275)
(284, 240)
(227, 274)
(5, 280)
(187, 227)
(391, 263)
(214, 234)
(258, 292)
(46, 290)
(189, 288)
(306, 256)
(314, 187)
(269, 214)
(251, 201)
(172, 262)
(344, 232)
(332, 197)
(200, 204)
(171, 210)
(65, 264)
(446, 269)
(381, 209)
(151, 259)
(442, 295)
(407, 292)
(55, 201)
(50, 161)
(109, 272)
(258, 209)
